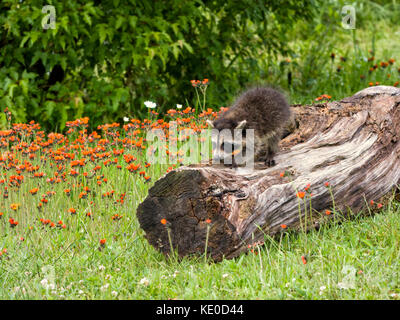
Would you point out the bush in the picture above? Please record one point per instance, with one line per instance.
(105, 58)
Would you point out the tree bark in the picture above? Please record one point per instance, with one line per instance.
(353, 144)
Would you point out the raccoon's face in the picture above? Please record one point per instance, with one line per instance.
(226, 143)
(225, 148)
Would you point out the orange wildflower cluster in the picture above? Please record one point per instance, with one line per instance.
(3, 252)
(372, 66)
(197, 83)
(253, 247)
(52, 177)
(116, 217)
(12, 222)
(323, 97)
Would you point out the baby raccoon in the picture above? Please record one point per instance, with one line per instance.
(263, 109)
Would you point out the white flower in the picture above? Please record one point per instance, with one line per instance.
(108, 277)
(225, 275)
(117, 269)
(45, 283)
(179, 106)
(321, 290)
(150, 104)
(105, 287)
(175, 273)
(126, 119)
(114, 293)
(144, 282)
(80, 292)
(101, 268)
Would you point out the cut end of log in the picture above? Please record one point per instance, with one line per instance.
(353, 144)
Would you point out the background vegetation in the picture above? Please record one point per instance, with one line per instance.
(105, 58)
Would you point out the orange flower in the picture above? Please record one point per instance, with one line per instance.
(283, 226)
(300, 194)
(13, 223)
(133, 167)
(14, 206)
(208, 221)
(163, 221)
(304, 259)
(102, 242)
(328, 212)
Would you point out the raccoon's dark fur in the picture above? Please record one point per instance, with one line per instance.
(266, 111)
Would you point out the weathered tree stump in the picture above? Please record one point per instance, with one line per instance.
(354, 144)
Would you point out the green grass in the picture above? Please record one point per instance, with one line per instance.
(128, 268)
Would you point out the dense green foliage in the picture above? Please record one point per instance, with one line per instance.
(105, 58)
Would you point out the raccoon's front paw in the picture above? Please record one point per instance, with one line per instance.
(270, 162)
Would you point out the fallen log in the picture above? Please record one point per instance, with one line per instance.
(354, 144)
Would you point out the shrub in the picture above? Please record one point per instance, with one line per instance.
(105, 58)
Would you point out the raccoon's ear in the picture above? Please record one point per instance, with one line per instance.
(241, 124)
(210, 123)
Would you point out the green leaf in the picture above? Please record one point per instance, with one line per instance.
(24, 39)
(102, 33)
(87, 18)
(132, 21)
(33, 35)
(11, 90)
(119, 22)
(50, 106)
